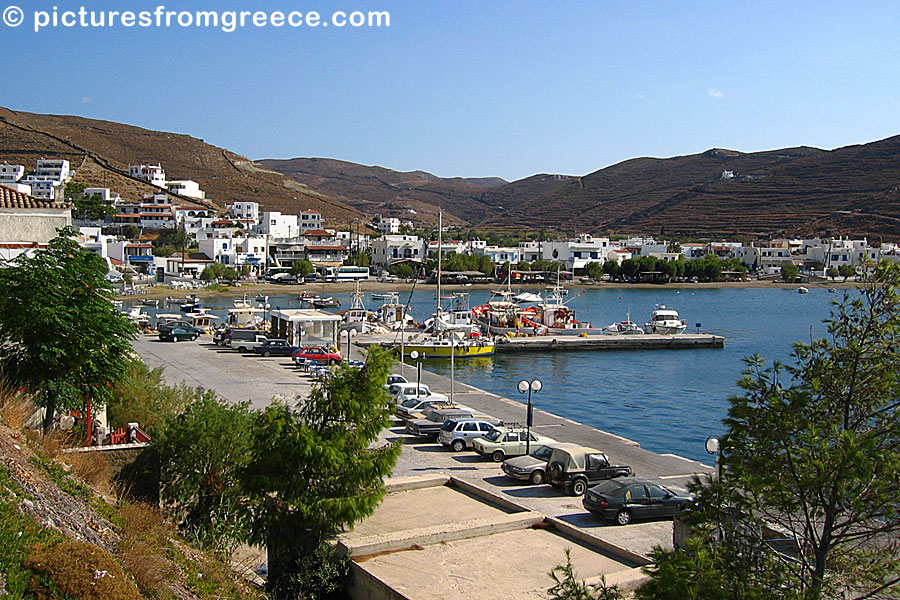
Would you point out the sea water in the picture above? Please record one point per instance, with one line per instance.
(669, 401)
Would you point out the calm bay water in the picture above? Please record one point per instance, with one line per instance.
(669, 401)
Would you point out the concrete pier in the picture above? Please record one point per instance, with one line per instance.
(610, 342)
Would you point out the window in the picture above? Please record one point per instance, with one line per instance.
(657, 492)
(470, 427)
(485, 426)
(636, 492)
(512, 436)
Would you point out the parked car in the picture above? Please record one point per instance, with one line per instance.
(458, 434)
(436, 416)
(245, 344)
(508, 441)
(408, 389)
(275, 347)
(320, 354)
(406, 407)
(177, 334)
(394, 378)
(623, 500)
(231, 335)
(531, 467)
(575, 467)
(179, 325)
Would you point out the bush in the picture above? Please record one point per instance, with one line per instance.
(319, 575)
(142, 397)
(78, 570)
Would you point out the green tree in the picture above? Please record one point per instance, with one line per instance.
(313, 469)
(594, 270)
(142, 397)
(846, 271)
(92, 207)
(833, 272)
(812, 450)
(611, 268)
(789, 272)
(202, 453)
(62, 338)
(301, 268)
(131, 232)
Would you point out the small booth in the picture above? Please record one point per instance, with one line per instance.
(296, 325)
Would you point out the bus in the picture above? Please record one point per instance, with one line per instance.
(349, 273)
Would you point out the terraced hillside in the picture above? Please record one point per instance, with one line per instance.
(110, 147)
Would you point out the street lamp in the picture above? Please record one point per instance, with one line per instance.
(714, 446)
(535, 386)
(416, 357)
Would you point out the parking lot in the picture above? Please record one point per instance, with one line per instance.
(239, 377)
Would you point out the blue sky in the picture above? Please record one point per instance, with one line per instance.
(480, 88)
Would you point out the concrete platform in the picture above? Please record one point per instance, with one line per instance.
(610, 342)
(472, 544)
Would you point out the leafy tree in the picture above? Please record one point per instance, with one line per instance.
(789, 272)
(313, 469)
(142, 397)
(131, 232)
(404, 270)
(219, 271)
(812, 448)
(93, 207)
(202, 452)
(846, 271)
(833, 272)
(611, 268)
(301, 268)
(62, 338)
(594, 270)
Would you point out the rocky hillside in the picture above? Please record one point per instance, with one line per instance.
(795, 191)
(61, 538)
(376, 190)
(106, 149)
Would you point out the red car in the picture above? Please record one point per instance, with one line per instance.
(320, 354)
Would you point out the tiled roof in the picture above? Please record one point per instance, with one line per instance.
(10, 198)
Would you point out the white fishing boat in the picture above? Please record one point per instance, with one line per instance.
(665, 321)
(802, 290)
(357, 318)
(626, 327)
(553, 317)
(393, 315)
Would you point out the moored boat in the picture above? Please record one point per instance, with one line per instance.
(665, 321)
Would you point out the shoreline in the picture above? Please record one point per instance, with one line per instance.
(276, 289)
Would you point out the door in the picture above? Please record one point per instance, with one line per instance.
(637, 500)
(662, 502)
(470, 432)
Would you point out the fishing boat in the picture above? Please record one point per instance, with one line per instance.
(147, 302)
(138, 317)
(626, 327)
(327, 302)
(443, 341)
(190, 304)
(665, 321)
(553, 317)
(357, 318)
(802, 290)
(393, 315)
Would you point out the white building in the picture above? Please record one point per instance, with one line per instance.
(500, 255)
(186, 187)
(11, 173)
(310, 220)
(153, 212)
(276, 225)
(105, 194)
(153, 174)
(133, 255)
(389, 249)
(48, 180)
(245, 212)
(26, 219)
(387, 226)
(530, 251)
(577, 253)
(55, 169)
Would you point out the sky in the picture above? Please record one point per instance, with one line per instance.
(476, 88)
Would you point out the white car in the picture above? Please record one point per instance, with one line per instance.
(408, 389)
(459, 434)
(504, 442)
(406, 407)
(392, 379)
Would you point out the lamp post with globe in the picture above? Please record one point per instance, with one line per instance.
(524, 386)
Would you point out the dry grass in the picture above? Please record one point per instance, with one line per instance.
(142, 549)
(93, 469)
(16, 409)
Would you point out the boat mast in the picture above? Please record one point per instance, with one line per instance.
(437, 312)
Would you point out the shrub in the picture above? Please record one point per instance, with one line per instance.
(79, 570)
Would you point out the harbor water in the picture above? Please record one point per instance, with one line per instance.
(669, 401)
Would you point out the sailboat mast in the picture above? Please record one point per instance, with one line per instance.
(439, 253)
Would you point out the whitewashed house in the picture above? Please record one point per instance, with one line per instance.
(186, 187)
(152, 174)
(389, 249)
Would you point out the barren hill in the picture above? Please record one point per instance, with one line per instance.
(392, 193)
(108, 148)
(794, 191)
